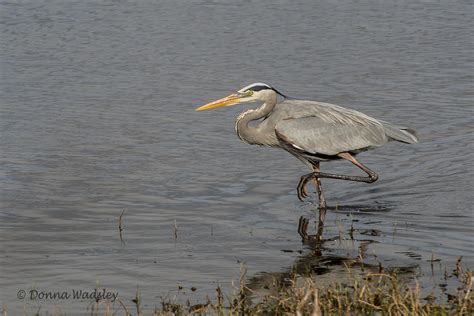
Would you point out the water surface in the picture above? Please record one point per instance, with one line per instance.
(97, 117)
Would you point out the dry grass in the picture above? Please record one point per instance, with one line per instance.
(367, 294)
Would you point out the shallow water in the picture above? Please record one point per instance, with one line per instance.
(97, 117)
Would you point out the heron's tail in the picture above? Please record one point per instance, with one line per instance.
(399, 133)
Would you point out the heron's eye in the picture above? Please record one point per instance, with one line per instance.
(249, 92)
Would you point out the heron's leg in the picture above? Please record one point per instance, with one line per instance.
(319, 190)
(372, 176)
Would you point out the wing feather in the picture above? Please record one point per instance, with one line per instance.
(329, 130)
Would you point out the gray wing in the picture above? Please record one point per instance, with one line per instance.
(330, 130)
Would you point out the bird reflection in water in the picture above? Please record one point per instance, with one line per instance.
(326, 259)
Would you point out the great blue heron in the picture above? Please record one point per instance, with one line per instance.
(311, 131)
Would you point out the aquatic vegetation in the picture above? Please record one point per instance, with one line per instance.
(369, 294)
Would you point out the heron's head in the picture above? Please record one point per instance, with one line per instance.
(252, 93)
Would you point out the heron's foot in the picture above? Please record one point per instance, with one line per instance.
(301, 188)
(303, 193)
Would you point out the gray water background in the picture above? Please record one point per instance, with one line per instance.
(97, 116)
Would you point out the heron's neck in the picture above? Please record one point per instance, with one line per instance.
(248, 133)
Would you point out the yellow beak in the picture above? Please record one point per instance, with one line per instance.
(229, 100)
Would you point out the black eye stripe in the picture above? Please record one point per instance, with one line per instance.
(258, 88)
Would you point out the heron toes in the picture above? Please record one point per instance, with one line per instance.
(301, 188)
